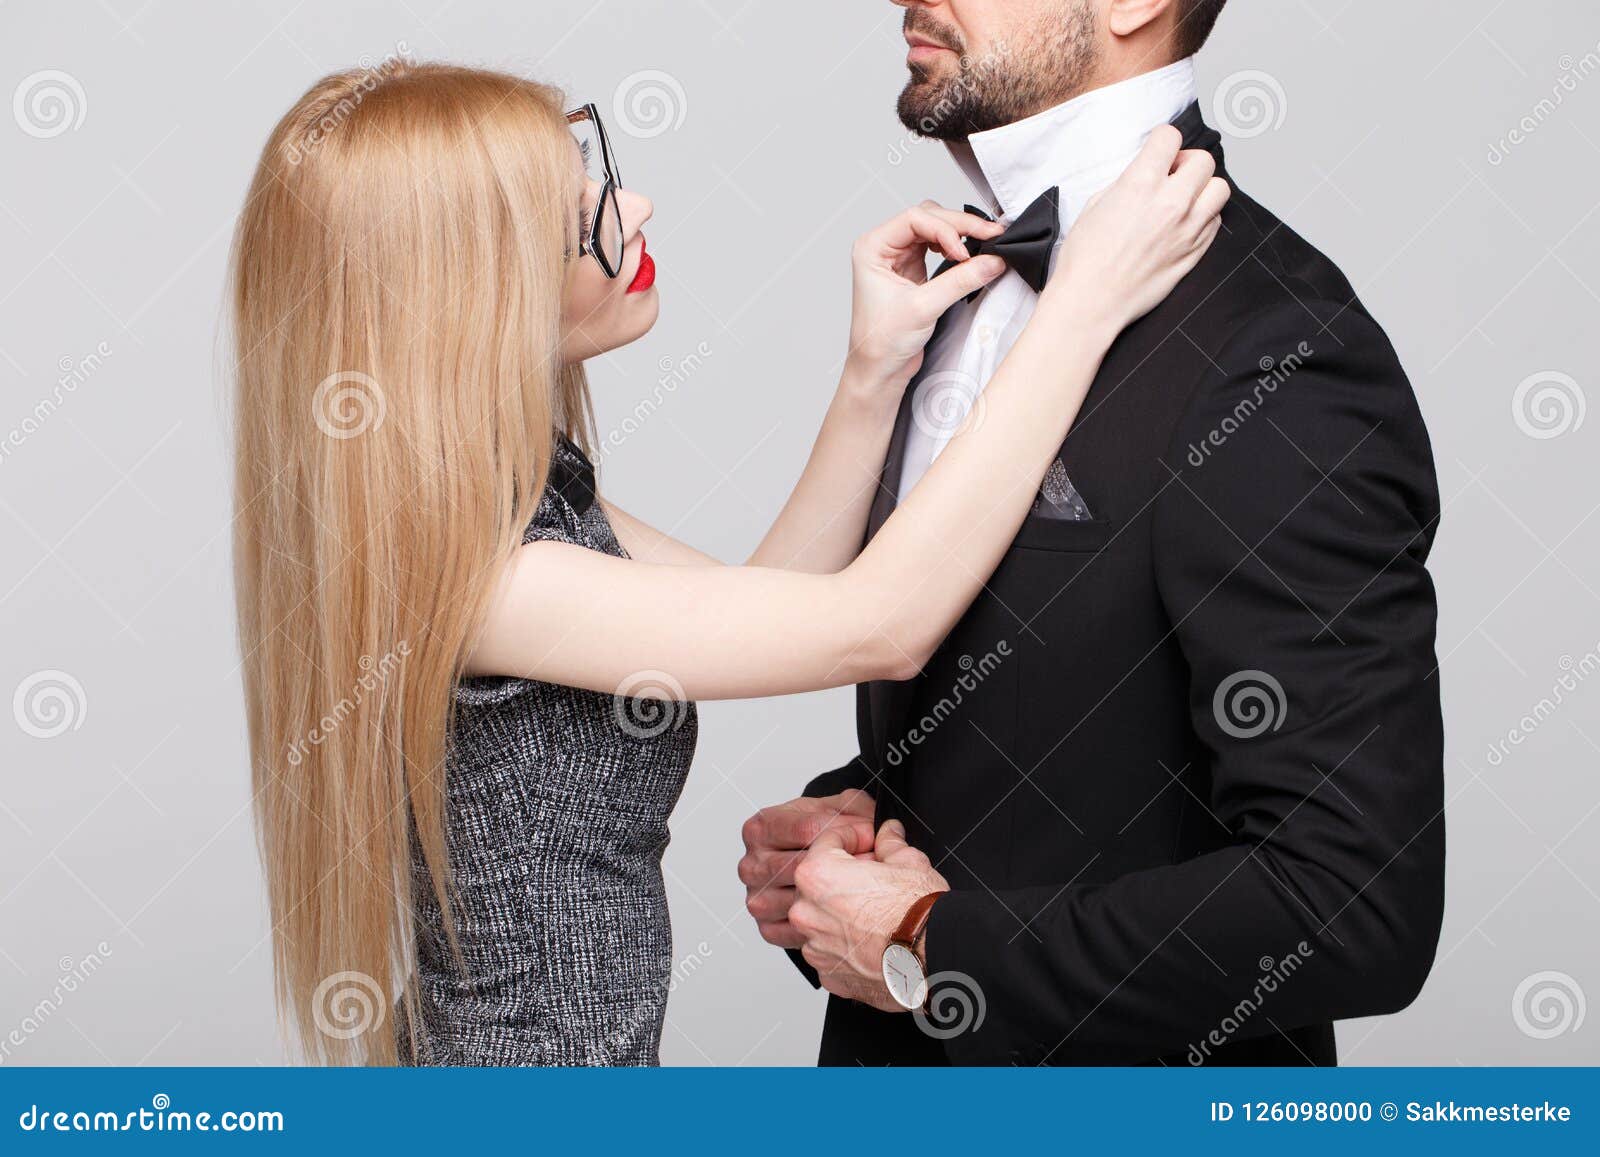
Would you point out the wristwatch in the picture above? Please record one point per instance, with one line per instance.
(902, 970)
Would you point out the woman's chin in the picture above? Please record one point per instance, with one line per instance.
(644, 308)
(623, 329)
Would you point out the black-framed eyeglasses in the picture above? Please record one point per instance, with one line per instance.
(601, 236)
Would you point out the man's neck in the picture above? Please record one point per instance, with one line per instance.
(1105, 74)
(1080, 145)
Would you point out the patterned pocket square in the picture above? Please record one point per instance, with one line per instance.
(1059, 498)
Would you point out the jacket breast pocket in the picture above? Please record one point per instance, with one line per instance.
(1066, 535)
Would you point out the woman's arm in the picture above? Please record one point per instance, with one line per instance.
(894, 310)
(822, 525)
(644, 543)
(569, 615)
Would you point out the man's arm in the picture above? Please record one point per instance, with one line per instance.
(853, 776)
(1291, 557)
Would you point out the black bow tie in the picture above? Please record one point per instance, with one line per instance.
(1027, 244)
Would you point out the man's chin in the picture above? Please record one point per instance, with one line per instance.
(931, 79)
(930, 106)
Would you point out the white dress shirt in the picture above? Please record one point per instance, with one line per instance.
(1081, 147)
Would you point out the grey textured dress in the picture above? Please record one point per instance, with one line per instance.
(558, 800)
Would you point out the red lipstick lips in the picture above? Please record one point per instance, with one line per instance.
(646, 276)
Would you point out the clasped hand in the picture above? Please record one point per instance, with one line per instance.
(818, 878)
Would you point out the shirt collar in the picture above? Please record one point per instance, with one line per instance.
(1081, 146)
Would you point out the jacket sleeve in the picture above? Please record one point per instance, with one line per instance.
(1289, 540)
(854, 774)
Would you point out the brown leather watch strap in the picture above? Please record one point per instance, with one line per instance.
(916, 918)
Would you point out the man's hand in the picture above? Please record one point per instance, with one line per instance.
(847, 906)
(776, 840)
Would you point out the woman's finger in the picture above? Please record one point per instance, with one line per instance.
(966, 224)
(1213, 196)
(1155, 160)
(934, 228)
(938, 233)
(1201, 246)
(954, 284)
(1191, 171)
(914, 227)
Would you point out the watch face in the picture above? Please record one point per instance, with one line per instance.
(903, 974)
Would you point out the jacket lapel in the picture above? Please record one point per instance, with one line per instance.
(1196, 133)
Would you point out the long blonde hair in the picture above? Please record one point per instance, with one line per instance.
(397, 281)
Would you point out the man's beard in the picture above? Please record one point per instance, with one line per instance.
(1009, 83)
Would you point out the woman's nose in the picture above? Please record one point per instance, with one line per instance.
(636, 209)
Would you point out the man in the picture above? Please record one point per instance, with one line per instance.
(1173, 787)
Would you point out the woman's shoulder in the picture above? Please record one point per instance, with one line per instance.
(569, 511)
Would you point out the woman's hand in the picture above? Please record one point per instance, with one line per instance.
(1137, 239)
(896, 305)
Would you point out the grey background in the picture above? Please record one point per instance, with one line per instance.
(131, 828)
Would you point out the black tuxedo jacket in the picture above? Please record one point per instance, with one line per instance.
(1183, 764)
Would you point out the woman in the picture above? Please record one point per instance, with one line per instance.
(468, 677)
